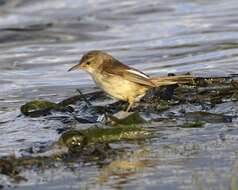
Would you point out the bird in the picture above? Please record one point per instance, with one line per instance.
(117, 79)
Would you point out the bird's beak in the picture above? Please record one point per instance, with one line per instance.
(75, 67)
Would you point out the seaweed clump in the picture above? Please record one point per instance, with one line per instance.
(39, 108)
(95, 135)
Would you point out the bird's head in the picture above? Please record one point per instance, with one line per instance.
(91, 61)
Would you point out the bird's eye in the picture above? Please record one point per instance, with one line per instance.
(88, 62)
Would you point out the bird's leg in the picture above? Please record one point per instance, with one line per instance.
(83, 97)
(129, 106)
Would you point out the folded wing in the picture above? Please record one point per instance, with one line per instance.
(131, 74)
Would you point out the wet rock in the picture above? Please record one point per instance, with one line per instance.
(85, 113)
(79, 138)
(208, 117)
(72, 138)
(154, 95)
(125, 118)
(39, 108)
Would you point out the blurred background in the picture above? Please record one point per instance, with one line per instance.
(41, 40)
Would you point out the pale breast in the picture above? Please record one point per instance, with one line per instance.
(120, 88)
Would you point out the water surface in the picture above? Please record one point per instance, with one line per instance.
(41, 40)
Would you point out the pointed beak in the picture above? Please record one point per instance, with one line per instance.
(75, 67)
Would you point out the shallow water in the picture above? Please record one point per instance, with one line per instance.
(41, 40)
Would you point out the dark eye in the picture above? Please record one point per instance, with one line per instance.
(88, 62)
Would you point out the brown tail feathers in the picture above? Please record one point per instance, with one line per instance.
(168, 80)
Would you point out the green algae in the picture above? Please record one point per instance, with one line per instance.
(195, 124)
(37, 108)
(101, 135)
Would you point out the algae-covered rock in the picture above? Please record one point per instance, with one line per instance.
(72, 138)
(39, 108)
(100, 135)
(125, 118)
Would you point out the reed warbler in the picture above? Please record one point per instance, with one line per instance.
(116, 79)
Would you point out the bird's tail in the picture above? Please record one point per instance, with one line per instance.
(168, 80)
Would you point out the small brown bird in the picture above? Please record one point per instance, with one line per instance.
(116, 79)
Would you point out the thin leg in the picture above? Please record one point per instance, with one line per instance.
(83, 97)
(129, 106)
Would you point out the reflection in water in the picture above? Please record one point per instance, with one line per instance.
(124, 169)
(41, 40)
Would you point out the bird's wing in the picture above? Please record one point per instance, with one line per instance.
(126, 72)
